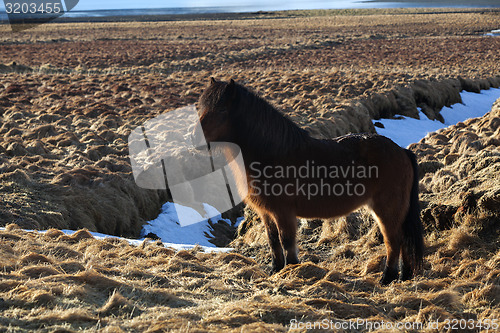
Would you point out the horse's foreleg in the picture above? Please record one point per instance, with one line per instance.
(273, 237)
(288, 234)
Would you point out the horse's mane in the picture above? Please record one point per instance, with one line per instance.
(260, 128)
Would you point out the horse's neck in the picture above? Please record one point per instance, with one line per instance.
(267, 145)
(263, 132)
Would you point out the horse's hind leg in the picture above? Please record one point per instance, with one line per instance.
(390, 226)
(273, 237)
(406, 268)
(392, 245)
(287, 225)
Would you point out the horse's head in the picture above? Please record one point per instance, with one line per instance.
(214, 112)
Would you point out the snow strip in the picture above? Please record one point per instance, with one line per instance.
(408, 130)
(138, 242)
(493, 33)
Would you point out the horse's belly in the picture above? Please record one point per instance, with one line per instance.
(311, 199)
(331, 207)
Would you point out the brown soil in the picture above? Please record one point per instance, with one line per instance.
(71, 93)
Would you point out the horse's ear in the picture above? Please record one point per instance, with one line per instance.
(230, 88)
(212, 80)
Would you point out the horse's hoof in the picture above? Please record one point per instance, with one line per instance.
(277, 268)
(389, 275)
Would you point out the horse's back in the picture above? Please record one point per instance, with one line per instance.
(364, 148)
(365, 139)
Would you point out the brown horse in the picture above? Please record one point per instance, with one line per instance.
(290, 174)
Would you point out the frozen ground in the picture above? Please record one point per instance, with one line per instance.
(408, 130)
(167, 227)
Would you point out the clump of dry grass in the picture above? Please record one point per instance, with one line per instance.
(116, 304)
(462, 191)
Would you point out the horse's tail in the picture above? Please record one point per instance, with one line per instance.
(413, 232)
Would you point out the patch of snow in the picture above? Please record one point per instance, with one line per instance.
(167, 226)
(239, 220)
(409, 130)
(213, 212)
(494, 33)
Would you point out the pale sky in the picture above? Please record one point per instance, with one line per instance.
(134, 4)
(264, 4)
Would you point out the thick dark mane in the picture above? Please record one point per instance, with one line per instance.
(261, 128)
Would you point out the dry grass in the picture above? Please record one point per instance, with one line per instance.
(115, 286)
(462, 189)
(76, 90)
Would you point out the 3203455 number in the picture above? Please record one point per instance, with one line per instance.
(463, 324)
(33, 8)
